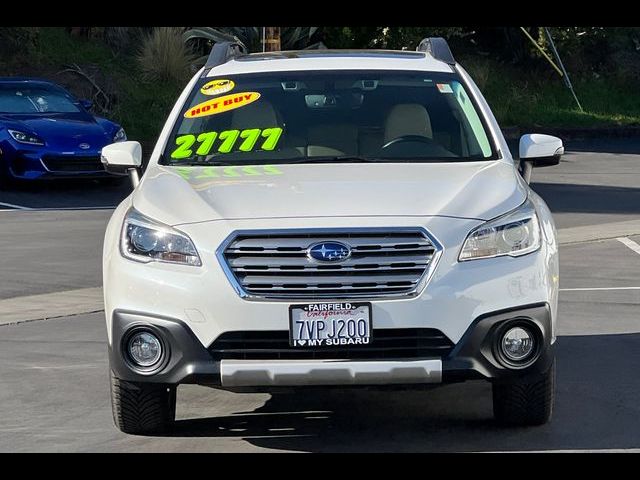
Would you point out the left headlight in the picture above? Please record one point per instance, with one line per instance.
(27, 138)
(145, 240)
(516, 233)
(120, 136)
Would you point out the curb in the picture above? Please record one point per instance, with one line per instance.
(51, 305)
(598, 233)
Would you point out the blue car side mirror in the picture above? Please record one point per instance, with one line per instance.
(86, 104)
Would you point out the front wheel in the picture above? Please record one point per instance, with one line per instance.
(141, 409)
(525, 403)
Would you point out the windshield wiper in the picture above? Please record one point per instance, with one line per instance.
(193, 162)
(336, 159)
(190, 162)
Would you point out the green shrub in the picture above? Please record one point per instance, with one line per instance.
(164, 56)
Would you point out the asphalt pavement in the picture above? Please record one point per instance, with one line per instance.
(54, 391)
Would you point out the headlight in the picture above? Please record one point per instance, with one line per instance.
(145, 240)
(120, 136)
(27, 138)
(516, 233)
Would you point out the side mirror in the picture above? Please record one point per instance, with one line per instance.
(123, 158)
(86, 104)
(540, 150)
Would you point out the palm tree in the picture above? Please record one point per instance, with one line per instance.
(272, 39)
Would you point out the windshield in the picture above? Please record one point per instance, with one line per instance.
(35, 99)
(318, 116)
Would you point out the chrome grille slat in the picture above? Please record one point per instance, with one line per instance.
(355, 253)
(314, 290)
(337, 279)
(357, 264)
(383, 262)
(357, 272)
(245, 261)
(302, 242)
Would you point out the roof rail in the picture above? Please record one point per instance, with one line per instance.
(438, 48)
(222, 52)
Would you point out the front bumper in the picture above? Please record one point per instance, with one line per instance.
(473, 357)
(46, 165)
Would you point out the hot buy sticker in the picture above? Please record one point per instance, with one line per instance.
(222, 104)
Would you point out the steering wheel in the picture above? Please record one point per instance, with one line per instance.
(408, 138)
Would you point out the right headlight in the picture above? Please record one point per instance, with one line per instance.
(145, 240)
(514, 234)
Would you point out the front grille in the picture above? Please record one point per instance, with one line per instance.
(386, 343)
(73, 163)
(382, 263)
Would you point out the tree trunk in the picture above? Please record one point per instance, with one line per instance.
(272, 39)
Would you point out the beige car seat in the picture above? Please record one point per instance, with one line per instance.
(336, 139)
(407, 119)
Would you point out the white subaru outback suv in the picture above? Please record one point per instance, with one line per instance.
(336, 218)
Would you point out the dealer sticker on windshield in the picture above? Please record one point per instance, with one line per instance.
(330, 324)
(217, 87)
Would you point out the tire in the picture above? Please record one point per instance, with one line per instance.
(525, 403)
(140, 409)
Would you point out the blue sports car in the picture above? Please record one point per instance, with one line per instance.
(47, 133)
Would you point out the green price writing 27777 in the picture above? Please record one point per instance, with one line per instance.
(227, 141)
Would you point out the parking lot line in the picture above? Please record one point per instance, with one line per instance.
(16, 207)
(629, 243)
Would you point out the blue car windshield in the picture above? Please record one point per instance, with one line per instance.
(34, 99)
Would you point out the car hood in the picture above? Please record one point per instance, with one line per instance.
(62, 131)
(480, 190)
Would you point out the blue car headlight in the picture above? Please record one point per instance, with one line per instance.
(120, 136)
(28, 138)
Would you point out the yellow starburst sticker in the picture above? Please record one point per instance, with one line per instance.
(217, 87)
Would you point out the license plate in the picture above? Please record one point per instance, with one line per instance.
(330, 324)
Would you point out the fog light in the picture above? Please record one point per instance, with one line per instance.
(145, 349)
(517, 344)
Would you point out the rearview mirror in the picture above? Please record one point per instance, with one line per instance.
(123, 158)
(86, 104)
(541, 150)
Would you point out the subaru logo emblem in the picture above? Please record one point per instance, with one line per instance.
(329, 251)
(84, 146)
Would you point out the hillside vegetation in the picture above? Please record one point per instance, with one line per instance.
(142, 75)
